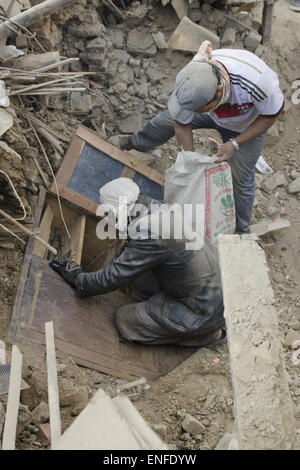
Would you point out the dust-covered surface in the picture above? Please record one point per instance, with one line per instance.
(133, 81)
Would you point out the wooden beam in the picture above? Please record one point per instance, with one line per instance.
(93, 139)
(11, 417)
(267, 20)
(45, 229)
(53, 394)
(28, 232)
(33, 15)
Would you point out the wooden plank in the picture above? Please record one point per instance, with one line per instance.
(76, 199)
(127, 159)
(45, 228)
(53, 395)
(11, 417)
(25, 269)
(28, 232)
(69, 162)
(99, 426)
(267, 20)
(85, 328)
(146, 437)
(74, 245)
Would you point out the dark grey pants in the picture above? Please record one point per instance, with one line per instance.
(161, 319)
(161, 128)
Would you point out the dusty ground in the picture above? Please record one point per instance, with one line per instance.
(201, 387)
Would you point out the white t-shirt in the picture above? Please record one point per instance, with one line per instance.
(254, 90)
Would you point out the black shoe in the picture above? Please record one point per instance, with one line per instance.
(126, 143)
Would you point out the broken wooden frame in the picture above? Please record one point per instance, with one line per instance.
(88, 146)
(84, 328)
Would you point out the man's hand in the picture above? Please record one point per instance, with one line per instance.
(69, 270)
(224, 151)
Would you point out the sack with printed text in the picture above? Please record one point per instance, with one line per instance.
(197, 179)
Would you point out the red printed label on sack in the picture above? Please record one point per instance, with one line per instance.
(219, 196)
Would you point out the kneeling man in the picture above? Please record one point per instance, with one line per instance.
(177, 282)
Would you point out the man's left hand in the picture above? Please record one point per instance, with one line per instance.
(225, 152)
(69, 270)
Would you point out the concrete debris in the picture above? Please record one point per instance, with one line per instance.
(161, 430)
(294, 186)
(272, 182)
(294, 174)
(131, 123)
(35, 61)
(9, 52)
(192, 425)
(82, 399)
(81, 104)
(290, 337)
(72, 371)
(228, 38)
(6, 121)
(41, 413)
(195, 13)
(297, 412)
(263, 405)
(160, 40)
(5, 149)
(24, 418)
(252, 40)
(82, 31)
(188, 36)
(141, 43)
(136, 13)
(68, 393)
(181, 7)
(117, 37)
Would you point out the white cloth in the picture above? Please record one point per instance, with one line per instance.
(254, 90)
(119, 197)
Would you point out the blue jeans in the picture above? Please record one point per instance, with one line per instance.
(161, 128)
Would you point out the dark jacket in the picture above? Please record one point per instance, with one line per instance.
(189, 278)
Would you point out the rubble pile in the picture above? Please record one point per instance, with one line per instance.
(76, 386)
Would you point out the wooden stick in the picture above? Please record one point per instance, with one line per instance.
(50, 139)
(55, 91)
(33, 15)
(57, 64)
(39, 85)
(28, 232)
(53, 175)
(53, 394)
(12, 233)
(11, 417)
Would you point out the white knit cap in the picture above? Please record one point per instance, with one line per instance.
(120, 196)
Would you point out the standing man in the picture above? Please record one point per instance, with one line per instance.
(232, 91)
